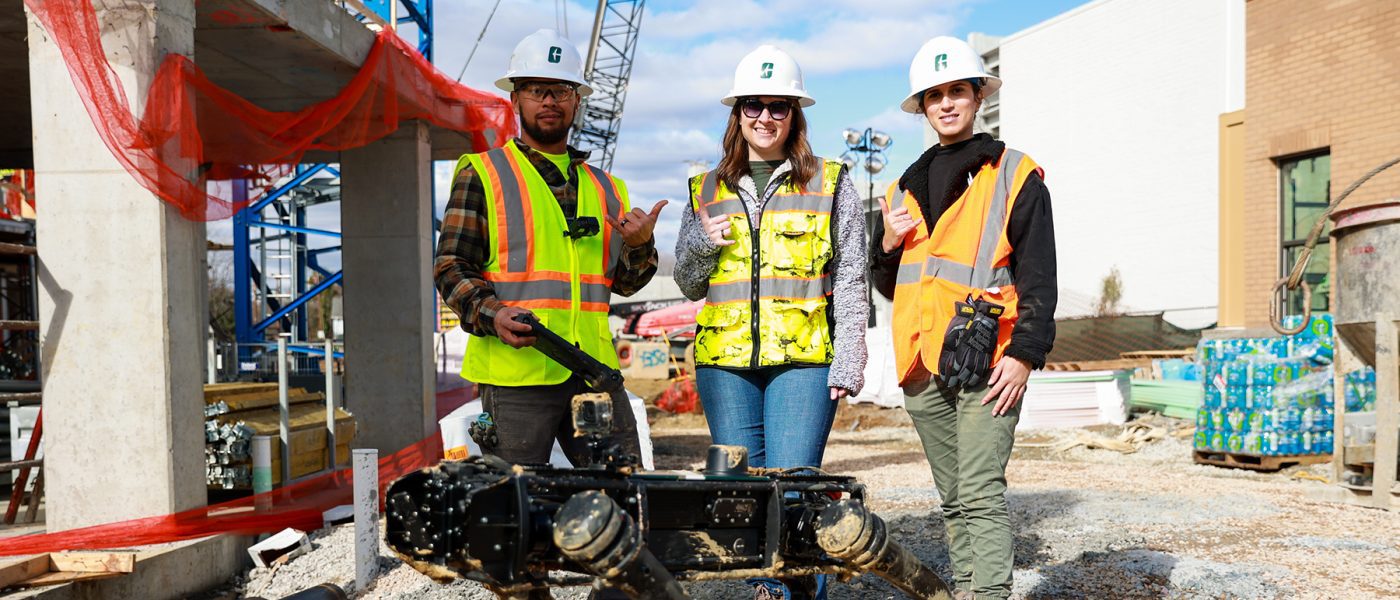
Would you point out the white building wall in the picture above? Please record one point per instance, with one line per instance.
(1119, 101)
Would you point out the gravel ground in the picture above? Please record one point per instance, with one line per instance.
(1088, 523)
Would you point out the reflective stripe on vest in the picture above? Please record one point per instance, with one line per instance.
(565, 282)
(966, 253)
(771, 287)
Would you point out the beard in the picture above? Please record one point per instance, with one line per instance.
(546, 135)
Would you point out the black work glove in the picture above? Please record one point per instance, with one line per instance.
(971, 360)
(963, 312)
(980, 343)
(483, 432)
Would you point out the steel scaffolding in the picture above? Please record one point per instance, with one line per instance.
(272, 261)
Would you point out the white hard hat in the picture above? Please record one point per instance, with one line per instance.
(547, 55)
(768, 71)
(941, 60)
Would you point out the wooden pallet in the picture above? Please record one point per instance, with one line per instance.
(1256, 462)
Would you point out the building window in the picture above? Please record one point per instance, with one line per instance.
(1305, 185)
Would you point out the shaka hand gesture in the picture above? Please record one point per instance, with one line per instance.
(898, 225)
(636, 226)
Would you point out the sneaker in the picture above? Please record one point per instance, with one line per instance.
(768, 589)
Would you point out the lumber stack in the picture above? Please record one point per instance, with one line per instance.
(237, 412)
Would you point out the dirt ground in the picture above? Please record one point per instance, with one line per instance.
(1088, 523)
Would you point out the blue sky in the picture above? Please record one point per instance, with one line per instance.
(854, 54)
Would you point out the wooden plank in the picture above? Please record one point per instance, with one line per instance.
(1100, 365)
(300, 416)
(22, 398)
(28, 568)
(1387, 408)
(19, 325)
(256, 400)
(1256, 462)
(20, 249)
(94, 562)
(1364, 454)
(214, 390)
(1149, 354)
(21, 464)
(61, 577)
(31, 512)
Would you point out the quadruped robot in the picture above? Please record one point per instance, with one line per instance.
(520, 529)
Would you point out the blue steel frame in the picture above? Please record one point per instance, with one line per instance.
(249, 334)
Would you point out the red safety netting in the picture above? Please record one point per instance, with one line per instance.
(193, 131)
(299, 505)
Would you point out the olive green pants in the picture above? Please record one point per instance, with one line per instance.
(967, 450)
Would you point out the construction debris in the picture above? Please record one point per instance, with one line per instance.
(65, 567)
(237, 412)
(280, 548)
(1135, 435)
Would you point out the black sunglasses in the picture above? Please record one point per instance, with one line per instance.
(753, 108)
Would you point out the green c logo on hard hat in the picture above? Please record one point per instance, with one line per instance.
(766, 71)
(555, 53)
(940, 62)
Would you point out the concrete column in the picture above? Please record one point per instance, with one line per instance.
(120, 298)
(385, 212)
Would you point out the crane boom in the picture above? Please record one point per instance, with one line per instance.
(608, 68)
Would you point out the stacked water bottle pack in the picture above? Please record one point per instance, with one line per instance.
(1268, 396)
(1360, 386)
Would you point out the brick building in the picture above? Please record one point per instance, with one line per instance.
(1322, 108)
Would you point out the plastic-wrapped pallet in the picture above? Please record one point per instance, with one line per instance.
(1268, 396)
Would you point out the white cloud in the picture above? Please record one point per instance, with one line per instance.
(685, 63)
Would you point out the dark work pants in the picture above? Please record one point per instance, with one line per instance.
(529, 419)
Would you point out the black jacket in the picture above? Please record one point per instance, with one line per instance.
(936, 180)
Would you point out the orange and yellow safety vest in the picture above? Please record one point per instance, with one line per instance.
(535, 265)
(967, 253)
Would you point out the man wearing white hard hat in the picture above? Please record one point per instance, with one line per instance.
(966, 251)
(774, 241)
(531, 228)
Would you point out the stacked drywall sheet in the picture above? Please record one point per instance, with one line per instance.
(1057, 399)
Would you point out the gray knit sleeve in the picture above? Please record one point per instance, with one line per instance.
(849, 298)
(696, 256)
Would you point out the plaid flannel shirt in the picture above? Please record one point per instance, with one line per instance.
(463, 247)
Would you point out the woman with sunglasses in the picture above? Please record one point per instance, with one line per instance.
(774, 241)
(966, 250)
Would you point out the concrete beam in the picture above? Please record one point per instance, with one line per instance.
(280, 54)
(386, 255)
(121, 280)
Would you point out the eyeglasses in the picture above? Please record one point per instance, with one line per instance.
(537, 92)
(753, 108)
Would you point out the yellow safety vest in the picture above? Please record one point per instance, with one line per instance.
(776, 291)
(567, 283)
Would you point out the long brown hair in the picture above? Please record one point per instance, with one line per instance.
(735, 162)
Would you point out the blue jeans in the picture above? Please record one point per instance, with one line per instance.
(745, 406)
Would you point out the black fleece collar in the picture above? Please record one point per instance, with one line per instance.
(941, 173)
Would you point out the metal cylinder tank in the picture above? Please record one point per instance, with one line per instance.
(1366, 284)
